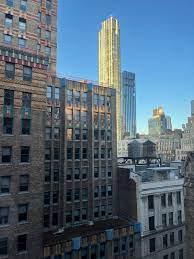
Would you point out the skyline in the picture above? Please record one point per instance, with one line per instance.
(156, 44)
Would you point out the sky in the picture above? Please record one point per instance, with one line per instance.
(157, 43)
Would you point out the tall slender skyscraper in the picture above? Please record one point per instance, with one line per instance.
(109, 62)
(128, 100)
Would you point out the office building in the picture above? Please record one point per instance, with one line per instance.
(192, 108)
(27, 50)
(109, 62)
(154, 196)
(168, 123)
(157, 125)
(128, 103)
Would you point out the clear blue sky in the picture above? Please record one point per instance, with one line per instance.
(157, 43)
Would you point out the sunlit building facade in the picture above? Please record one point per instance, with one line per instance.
(109, 62)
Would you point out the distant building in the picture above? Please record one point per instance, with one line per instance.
(157, 125)
(128, 104)
(110, 62)
(154, 197)
(122, 148)
(141, 148)
(168, 123)
(192, 108)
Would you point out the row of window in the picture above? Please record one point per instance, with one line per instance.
(165, 198)
(10, 72)
(8, 126)
(103, 153)
(23, 4)
(22, 214)
(5, 184)
(21, 244)
(6, 154)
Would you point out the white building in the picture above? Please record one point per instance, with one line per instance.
(122, 148)
(156, 201)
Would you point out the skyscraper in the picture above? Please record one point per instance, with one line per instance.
(109, 62)
(128, 103)
(157, 124)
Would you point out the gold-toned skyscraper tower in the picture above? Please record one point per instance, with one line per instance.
(109, 62)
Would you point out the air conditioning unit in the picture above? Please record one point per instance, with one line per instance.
(59, 231)
(90, 223)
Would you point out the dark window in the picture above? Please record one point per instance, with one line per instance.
(170, 199)
(55, 197)
(163, 200)
(109, 171)
(96, 212)
(102, 250)
(178, 197)
(47, 154)
(96, 172)
(69, 195)
(9, 70)
(103, 191)
(77, 134)
(77, 174)
(56, 174)
(172, 238)
(69, 174)
(56, 153)
(48, 133)
(109, 153)
(179, 217)
(96, 134)
(77, 215)
(181, 253)
(103, 137)
(25, 154)
(3, 245)
(165, 257)
(46, 198)
(23, 5)
(164, 220)
(123, 244)
(103, 211)
(22, 243)
(109, 190)
(180, 235)
(152, 245)
(96, 153)
(84, 194)
(6, 154)
(4, 215)
(47, 175)
(150, 202)
(26, 100)
(27, 73)
(56, 133)
(69, 153)
(8, 20)
(46, 220)
(84, 153)
(109, 135)
(84, 214)
(84, 173)
(96, 192)
(68, 217)
(5, 184)
(84, 134)
(77, 153)
(26, 126)
(22, 24)
(116, 246)
(151, 223)
(22, 212)
(24, 183)
(171, 218)
(165, 241)
(93, 252)
(7, 126)
(55, 219)
(77, 194)
(8, 97)
(172, 255)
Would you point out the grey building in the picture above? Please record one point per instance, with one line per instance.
(128, 104)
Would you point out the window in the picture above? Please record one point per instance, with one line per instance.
(102, 100)
(102, 250)
(39, 16)
(47, 153)
(180, 235)
(49, 92)
(77, 115)
(23, 5)
(56, 173)
(4, 215)
(26, 126)
(178, 197)
(84, 98)
(48, 4)
(102, 120)
(172, 255)
(55, 197)
(171, 218)
(108, 101)
(172, 238)
(27, 73)
(77, 153)
(77, 174)
(69, 195)
(7, 126)
(56, 93)
(84, 134)
(84, 116)
(165, 241)
(3, 245)
(69, 96)
(24, 183)
(46, 221)
(96, 192)
(94, 252)
(56, 133)
(96, 172)
(109, 209)
(181, 253)
(48, 19)
(56, 153)
(47, 51)
(22, 212)
(22, 42)
(84, 153)
(68, 217)
(25, 154)
(5, 184)
(69, 134)
(7, 38)
(77, 195)
(48, 133)
(96, 134)
(22, 24)
(22, 243)
(9, 3)
(39, 32)
(109, 135)
(84, 194)
(152, 245)
(109, 153)
(164, 220)
(69, 153)
(6, 154)
(151, 223)
(77, 134)
(8, 20)
(46, 198)
(77, 97)
(123, 244)
(55, 219)
(103, 172)
(163, 200)
(96, 212)
(103, 153)
(108, 120)
(103, 211)
(26, 100)
(96, 99)
(170, 199)
(179, 217)
(56, 113)
(47, 175)
(109, 190)
(84, 214)
(150, 202)
(9, 70)
(165, 257)
(109, 171)
(69, 174)
(103, 191)
(8, 97)
(96, 119)
(84, 173)
(47, 35)
(103, 135)
(76, 215)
